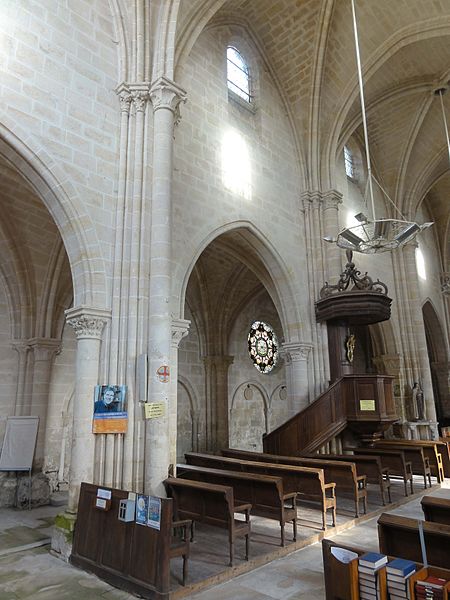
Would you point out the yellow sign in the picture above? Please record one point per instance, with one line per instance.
(367, 405)
(153, 410)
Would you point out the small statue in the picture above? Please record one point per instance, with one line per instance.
(418, 402)
(350, 347)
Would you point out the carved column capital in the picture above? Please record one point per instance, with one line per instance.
(180, 329)
(88, 322)
(445, 283)
(165, 93)
(388, 363)
(140, 96)
(123, 92)
(44, 348)
(331, 199)
(220, 361)
(296, 351)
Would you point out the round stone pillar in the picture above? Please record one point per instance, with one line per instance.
(88, 324)
(296, 355)
(166, 97)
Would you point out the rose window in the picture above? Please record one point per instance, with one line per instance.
(263, 346)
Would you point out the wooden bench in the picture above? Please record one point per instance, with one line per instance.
(399, 536)
(394, 460)
(370, 466)
(265, 493)
(309, 483)
(344, 474)
(436, 510)
(430, 450)
(420, 464)
(211, 504)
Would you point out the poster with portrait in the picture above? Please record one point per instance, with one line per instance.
(154, 512)
(142, 509)
(110, 414)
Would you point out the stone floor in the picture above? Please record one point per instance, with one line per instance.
(28, 570)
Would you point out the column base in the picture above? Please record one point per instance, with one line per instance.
(62, 535)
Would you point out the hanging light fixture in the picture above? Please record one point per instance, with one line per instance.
(374, 235)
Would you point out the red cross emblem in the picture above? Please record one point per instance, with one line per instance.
(163, 373)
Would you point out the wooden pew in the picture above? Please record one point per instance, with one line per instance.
(436, 510)
(392, 459)
(265, 493)
(341, 579)
(344, 474)
(399, 536)
(430, 450)
(444, 449)
(309, 483)
(370, 466)
(415, 455)
(125, 554)
(211, 504)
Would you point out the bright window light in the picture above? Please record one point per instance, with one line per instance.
(349, 163)
(236, 164)
(420, 264)
(238, 77)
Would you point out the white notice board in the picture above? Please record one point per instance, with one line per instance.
(19, 443)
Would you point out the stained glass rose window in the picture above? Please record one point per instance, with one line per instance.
(263, 346)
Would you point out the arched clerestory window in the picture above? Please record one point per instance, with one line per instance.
(238, 75)
(349, 162)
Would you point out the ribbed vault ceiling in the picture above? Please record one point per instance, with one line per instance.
(309, 45)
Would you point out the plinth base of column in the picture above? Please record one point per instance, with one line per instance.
(62, 535)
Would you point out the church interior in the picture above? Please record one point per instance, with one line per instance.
(247, 264)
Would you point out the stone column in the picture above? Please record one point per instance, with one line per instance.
(166, 97)
(180, 329)
(216, 392)
(418, 346)
(296, 355)
(88, 324)
(331, 201)
(44, 351)
(22, 403)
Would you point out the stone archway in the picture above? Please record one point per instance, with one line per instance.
(229, 287)
(439, 362)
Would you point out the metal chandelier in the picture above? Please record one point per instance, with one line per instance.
(373, 235)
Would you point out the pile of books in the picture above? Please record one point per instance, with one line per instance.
(369, 583)
(398, 572)
(431, 587)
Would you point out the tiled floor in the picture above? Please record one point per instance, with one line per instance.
(29, 571)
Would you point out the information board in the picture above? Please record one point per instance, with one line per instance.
(19, 443)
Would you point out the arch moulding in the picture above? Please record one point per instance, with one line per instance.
(61, 199)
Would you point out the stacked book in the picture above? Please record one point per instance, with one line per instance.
(398, 572)
(430, 588)
(368, 566)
